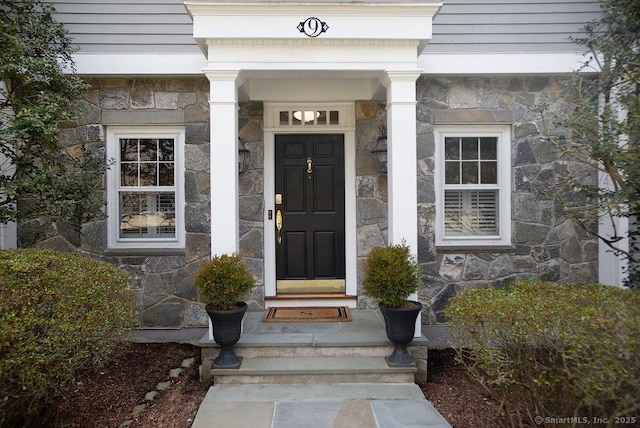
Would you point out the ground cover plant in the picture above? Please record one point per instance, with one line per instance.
(59, 312)
(548, 350)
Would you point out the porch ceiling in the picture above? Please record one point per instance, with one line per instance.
(312, 85)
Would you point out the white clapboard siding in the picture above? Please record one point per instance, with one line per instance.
(527, 26)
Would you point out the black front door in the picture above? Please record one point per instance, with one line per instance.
(310, 242)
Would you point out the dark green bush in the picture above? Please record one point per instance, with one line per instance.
(392, 273)
(552, 350)
(223, 281)
(58, 312)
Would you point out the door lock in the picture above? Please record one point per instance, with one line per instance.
(278, 198)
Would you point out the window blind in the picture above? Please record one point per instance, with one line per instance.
(471, 212)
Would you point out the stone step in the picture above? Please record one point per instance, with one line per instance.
(313, 370)
(304, 353)
(363, 337)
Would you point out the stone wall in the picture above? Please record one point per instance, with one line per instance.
(545, 245)
(371, 188)
(165, 295)
(251, 195)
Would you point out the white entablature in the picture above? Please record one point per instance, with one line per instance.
(294, 43)
(342, 20)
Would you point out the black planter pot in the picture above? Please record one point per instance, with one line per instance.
(227, 326)
(400, 324)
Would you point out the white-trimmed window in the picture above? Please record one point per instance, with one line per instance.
(473, 185)
(145, 187)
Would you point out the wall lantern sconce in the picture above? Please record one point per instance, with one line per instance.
(380, 155)
(243, 157)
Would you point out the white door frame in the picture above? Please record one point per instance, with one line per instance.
(346, 127)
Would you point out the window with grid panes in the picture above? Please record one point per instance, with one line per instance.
(145, 198)
(473, 186)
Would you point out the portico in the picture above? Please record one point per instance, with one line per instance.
(308, 56)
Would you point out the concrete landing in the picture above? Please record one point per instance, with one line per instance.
(317, 406)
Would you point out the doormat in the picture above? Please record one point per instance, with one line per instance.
(308, 314)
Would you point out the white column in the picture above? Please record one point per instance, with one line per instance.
(402, 160)
(223, 103)
(401, 146)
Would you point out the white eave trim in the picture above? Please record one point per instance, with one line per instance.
(500, 63)
(101, 64)
(145, 64)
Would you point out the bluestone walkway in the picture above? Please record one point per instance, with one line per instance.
(317, 406)
(361, 405)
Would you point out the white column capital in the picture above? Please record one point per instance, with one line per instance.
(225, 75)
(391, 76)
(401, 86)
(224, 85)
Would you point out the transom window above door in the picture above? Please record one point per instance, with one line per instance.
(307, 116)
(473, 186)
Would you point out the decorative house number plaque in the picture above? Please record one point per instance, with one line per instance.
(313, 27)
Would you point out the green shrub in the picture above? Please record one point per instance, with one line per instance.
(556, 350)
(391, 274)
(58, 312)
(223, 281)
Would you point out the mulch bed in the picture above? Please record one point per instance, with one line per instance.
(106, 397)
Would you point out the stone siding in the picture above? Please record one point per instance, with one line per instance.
(545, 245)
(251, 194)
(165, 295)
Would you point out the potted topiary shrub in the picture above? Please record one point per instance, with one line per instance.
(392, 274)
(223, 281)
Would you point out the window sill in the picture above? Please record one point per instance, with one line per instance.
(476, 248)
(144, 252)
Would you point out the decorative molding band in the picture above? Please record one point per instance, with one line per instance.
(310, 42)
